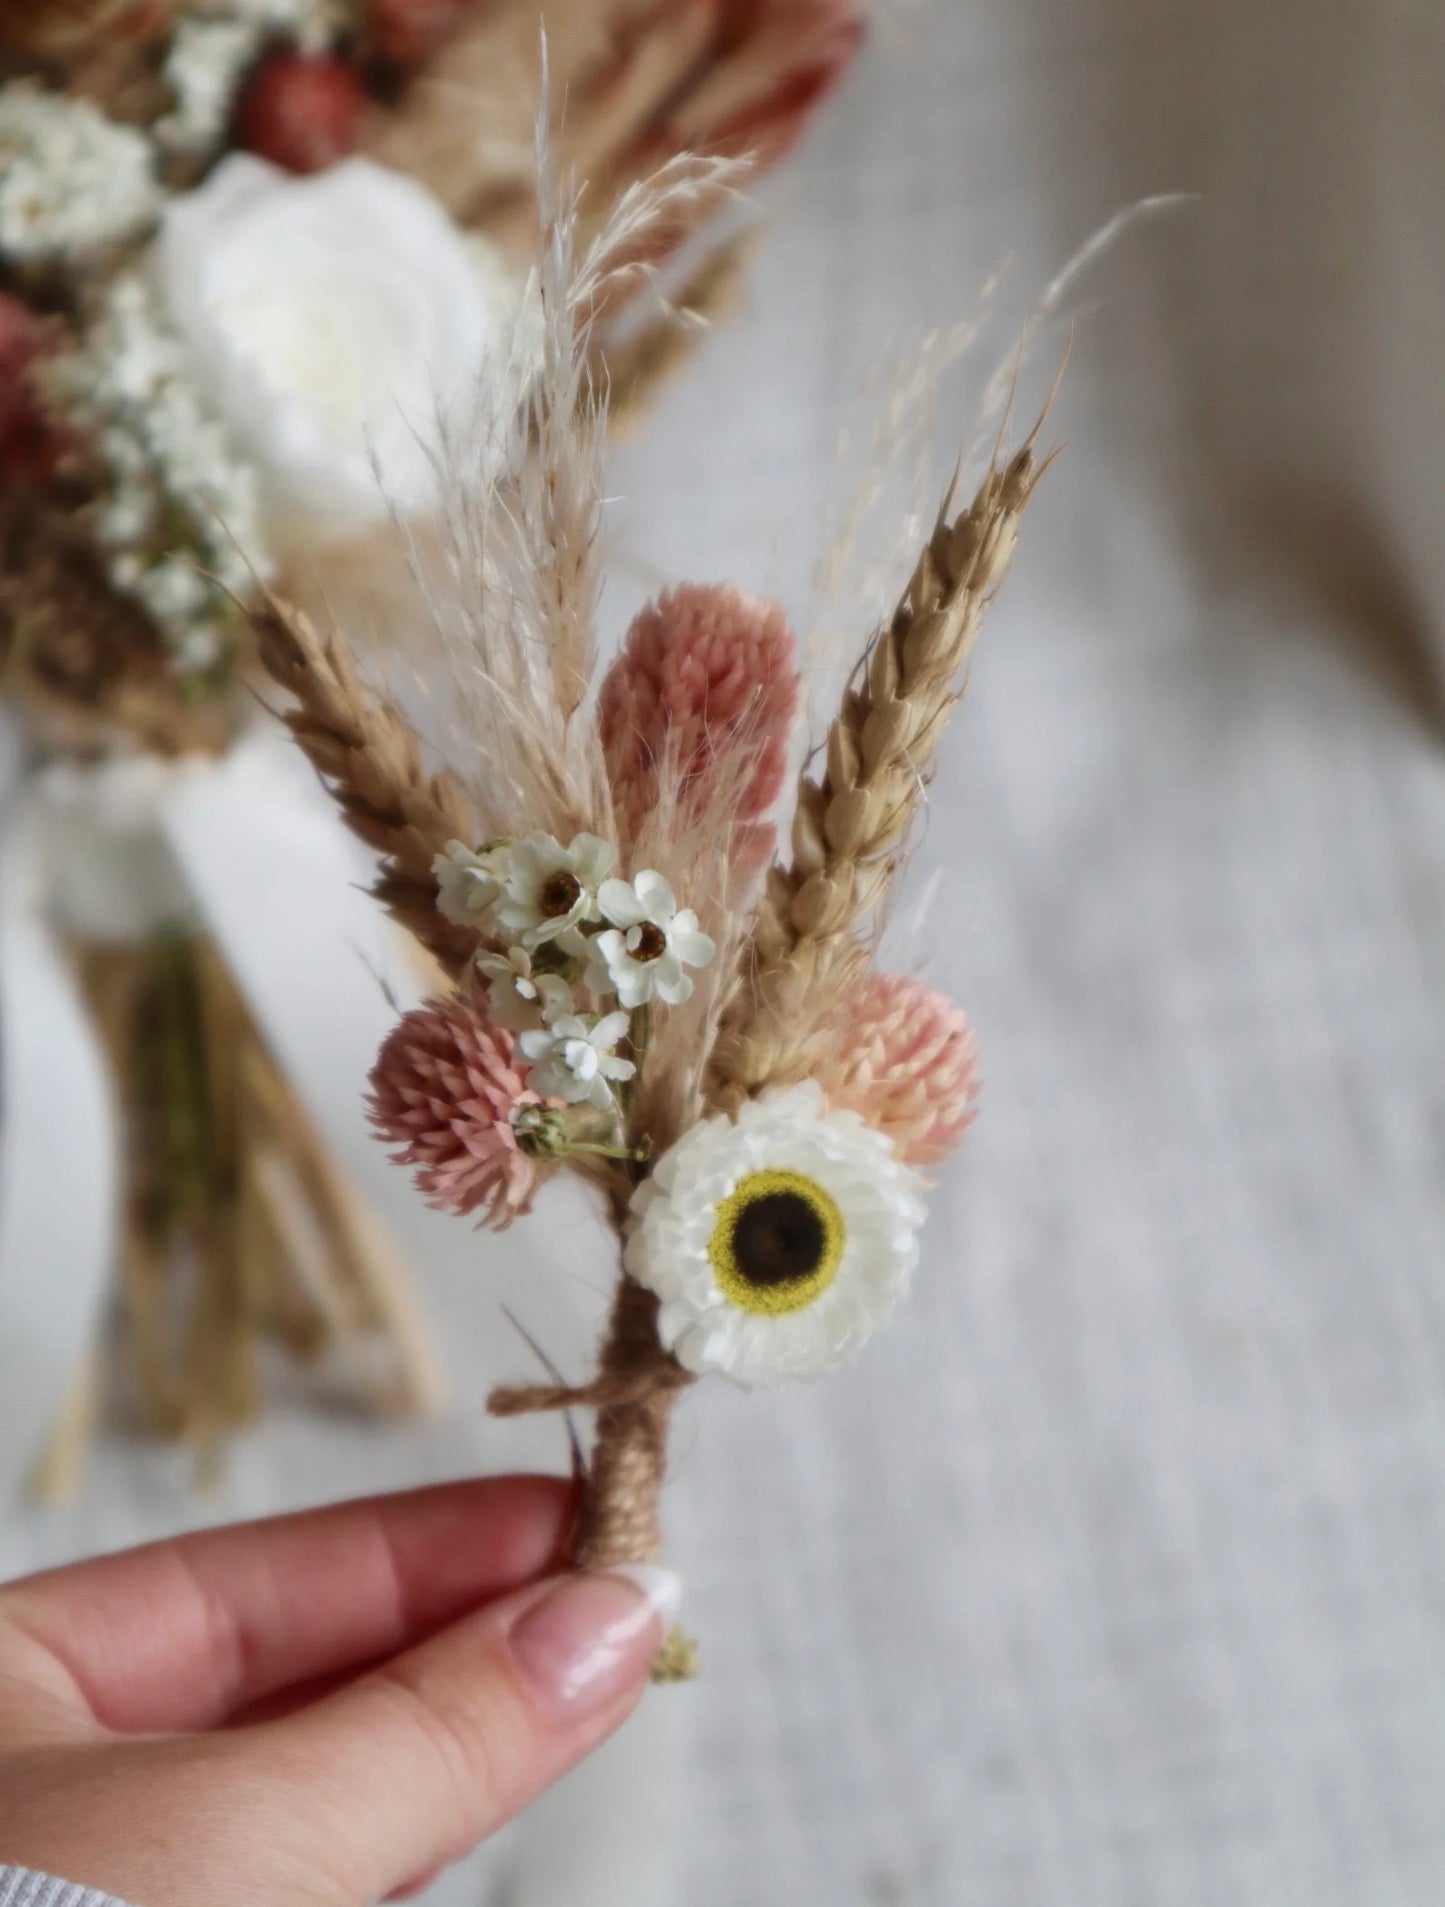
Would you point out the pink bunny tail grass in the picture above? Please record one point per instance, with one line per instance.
(904, 1057)
(443, 1091)
(699, 708)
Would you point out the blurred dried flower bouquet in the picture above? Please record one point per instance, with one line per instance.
(257, 259)
(645, 992)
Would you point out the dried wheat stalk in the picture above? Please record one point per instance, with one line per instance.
(371, 760)
(851, 826)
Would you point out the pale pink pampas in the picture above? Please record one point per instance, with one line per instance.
(904, 1057)
(699, 708)
(443, 1090)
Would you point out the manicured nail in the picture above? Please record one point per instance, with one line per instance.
(591, 1638)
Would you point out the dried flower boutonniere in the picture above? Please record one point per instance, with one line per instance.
(255, 256)
(643, 994)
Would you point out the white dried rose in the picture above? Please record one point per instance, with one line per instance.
(335, 321)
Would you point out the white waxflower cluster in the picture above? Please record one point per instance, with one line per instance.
(214, 46)
(205, 63)
(567, 924)
(71, 180)
(181, 517)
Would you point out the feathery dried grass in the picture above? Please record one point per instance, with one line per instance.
(511, 598)
(512, 601)
(635, 370)
(851, 826)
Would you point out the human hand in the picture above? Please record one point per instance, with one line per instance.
(322, 1710)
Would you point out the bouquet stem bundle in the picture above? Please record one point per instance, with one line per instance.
(237, 1231)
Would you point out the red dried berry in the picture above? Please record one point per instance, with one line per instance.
(31, 441)
(302, 113)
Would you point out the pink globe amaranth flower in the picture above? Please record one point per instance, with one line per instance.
(904, 1057)
(443, 1091)
(704, 692)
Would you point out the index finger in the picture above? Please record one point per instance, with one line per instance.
(183, 1634)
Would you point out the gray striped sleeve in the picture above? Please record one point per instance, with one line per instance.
(20, 1888)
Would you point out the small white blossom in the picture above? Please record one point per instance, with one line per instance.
(468, 883)
(205, 64)
(173, 592)
(577, 1061)
(551, 891)
(181, 516)
(214, 47)
(520, 997)
(650, 941)
(312, 24)
(71, 180)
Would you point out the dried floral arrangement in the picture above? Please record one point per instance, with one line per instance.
(196, 196)
(254, 256)
(645, 991)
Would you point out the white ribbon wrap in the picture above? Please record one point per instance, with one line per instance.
(59, 1158)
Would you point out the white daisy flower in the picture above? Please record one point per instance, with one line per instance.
(551, 890)
(777, 1242)
(642, 956)
(575, 1061)
(468, 883)
(519, 996)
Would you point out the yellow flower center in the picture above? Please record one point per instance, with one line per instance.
(776, 1243)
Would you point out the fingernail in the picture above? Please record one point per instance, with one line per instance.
(591, 1638)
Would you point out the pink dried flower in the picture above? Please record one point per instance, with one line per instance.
(443, 1090)
(32, 442)
(904, 1057)
(704, 692)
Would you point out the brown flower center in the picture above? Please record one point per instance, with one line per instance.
(560, 894)
(778, 1238)
(651, 942)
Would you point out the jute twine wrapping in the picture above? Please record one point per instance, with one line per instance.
(636, 1386)
(851, 826)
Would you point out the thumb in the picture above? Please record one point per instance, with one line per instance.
(407, 1768)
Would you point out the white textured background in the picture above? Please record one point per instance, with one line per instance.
(1115, 1575)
